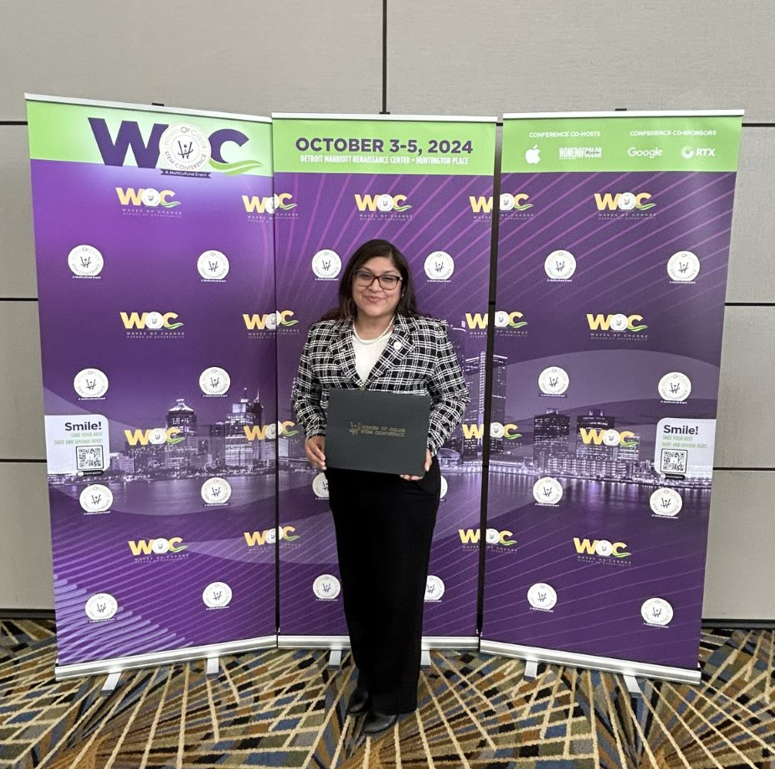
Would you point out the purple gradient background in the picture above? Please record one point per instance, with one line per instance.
(326, 216)
(621, 268)
(150, 264)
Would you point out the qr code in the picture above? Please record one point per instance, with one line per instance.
(89, 457)
(674, 461)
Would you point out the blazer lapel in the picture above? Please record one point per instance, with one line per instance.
(395, 351)
(342, 351)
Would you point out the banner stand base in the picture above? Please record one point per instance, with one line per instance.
(608, 664)
(114, 667)
(338, 643)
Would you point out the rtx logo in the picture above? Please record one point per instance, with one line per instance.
(270, 536)
(503, 319)
(270, 431)
(155, 437)
(159, 546)
(150, 321)
(601, 548)
(473, 431)
(268, 205)
(618, 323)
(384, 203)
(492, 537)
(623, 201)
(146, 197)
(596, 436)
(687, 153)
(269, 321)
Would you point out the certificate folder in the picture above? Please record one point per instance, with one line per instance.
(378, 431)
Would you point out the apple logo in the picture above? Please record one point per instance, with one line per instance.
(534, 155)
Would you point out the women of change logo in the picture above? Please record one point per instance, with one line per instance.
(96, 498)
(547, 491)
(216, 491)
(85, 261)
(326, 587)
(101, 607)
(214, 381)
(217, 595)
(326, 264)
(675, 387)
(560, 265)
(90, 383)
(184, 147)
(667, 502)
(542, 596)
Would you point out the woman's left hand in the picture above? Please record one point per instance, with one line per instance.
(428, 459)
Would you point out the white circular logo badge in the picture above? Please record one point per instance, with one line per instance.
(90, 383)
(320, 486)
(150, 197)
(439, 266)
(683, 266)
(560, 265)
(272, 430)
(96, 498)
(326, 587)
(542, 596)
(611, 437)
(184, 147)
(326, 264)
(493, 536)
(444, 488)
(657, 611)
(160, 546)
(604, 548)
(666, 502)
(547, 491)
(154, 320)
(626, 201)
(385, 203)
(214, 381)
(101, 606)
(157, 436)
(216, 491)
(507, 201)
(619, 323)
(85, 260)
(217, 595)
(501, 319)
(553, 380)
(213, 265)
(675, 386)
(434, 588)
(497, 430)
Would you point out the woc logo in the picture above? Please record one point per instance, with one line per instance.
(492, 537)
(503, 319)
(270, 431)
(601, 547)
(270, 536)
(508, 202)
(597, 436)
(623, 201)
(269, 321)
(618, 322)
(155, 437)
(158, 546)
(146, 153)
(147, 197)
(384, 203)
(263, 205)
(497, 430)
(153, 321)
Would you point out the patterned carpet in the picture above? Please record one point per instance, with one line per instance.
(285, 708)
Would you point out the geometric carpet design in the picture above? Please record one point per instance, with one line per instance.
(285, 708)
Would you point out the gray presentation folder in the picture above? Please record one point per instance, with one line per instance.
(378, 431)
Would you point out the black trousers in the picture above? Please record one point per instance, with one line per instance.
(384, 526)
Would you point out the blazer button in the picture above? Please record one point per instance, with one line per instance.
(396, 345)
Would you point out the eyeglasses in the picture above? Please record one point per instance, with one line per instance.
(365, 278)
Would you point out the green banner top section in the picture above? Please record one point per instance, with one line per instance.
(384, 146)
(685, 142)
(182, 143)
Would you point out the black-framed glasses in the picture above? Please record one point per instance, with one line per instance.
(364, 279)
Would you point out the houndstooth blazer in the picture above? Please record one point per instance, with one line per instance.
(418, 358)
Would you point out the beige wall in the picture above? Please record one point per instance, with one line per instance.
(451, 57)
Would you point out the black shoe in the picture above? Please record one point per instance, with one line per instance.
(358, 702)
(376, 722)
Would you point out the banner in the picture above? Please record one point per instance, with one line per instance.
(156, 289)
(613, 248)
(426, 185)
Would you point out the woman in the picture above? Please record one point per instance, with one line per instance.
(377, 340)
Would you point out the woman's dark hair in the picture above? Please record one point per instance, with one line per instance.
(407, 304)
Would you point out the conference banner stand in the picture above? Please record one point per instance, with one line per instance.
(156, 287)
(426, 185)
(613, 249)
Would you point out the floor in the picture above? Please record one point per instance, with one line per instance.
(285, 708)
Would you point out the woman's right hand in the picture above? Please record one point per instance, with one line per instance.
(315, 448)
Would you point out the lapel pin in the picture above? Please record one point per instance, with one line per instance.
(396, 345)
